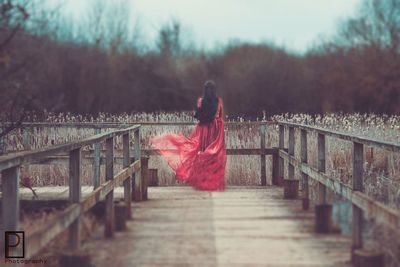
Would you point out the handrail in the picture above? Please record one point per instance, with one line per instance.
(97, 125)
(391, 146)
(18, 158)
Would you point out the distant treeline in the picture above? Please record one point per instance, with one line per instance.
(43, 66)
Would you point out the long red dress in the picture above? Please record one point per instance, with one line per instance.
(199, 159)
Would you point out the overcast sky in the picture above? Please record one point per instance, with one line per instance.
(295, 24)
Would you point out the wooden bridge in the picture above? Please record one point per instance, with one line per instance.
(266, 225)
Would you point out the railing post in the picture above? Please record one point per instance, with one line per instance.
(2, 143)
(275, 168)
(291, 153)
(75, 195)
(137, 184)
(281, 160)
(109, 222)
(26, 142)
(262, 157)
(96, 162)
(358, 162)
(323, 210)
(304, 177)
(144, 164)
(321, 168)
(10, 203)
(291, 185)
(128, 181)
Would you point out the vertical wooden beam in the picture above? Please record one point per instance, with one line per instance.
(109, 222)
(96, 162)
(137, 184)
(291, 153)
(321, 168)
(262, 157)
(144, 163)
(127, 182)
(358, 169)
(10, 202)
(75, 195)
(304, 177)
(2, 143)
(281, 160)
(26, 142)
(275, 168)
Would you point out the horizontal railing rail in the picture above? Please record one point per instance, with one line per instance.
(97, 125)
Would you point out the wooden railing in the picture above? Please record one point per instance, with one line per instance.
(96, 153)
(71, 216)
(361, 203)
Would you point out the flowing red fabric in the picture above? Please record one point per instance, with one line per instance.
(199, 159)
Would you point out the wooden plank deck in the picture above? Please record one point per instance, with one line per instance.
(243, 226)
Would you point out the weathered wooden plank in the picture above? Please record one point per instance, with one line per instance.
(25, 157)
(109, 214)
(390, 146)
(75, 195)
(263, 173)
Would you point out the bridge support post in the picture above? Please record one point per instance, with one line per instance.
(323, 218)
(109, 218)
(290, 188)
(365, 258)
(144, 163)
(358, 215)
(304, 177)
(75, 195)
(153, 177)
(128, 181)
(120, 216)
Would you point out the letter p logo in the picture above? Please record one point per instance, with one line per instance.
(14, 244)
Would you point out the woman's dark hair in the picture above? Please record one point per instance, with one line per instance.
(206, 112)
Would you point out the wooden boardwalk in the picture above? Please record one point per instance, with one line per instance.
(242, 226)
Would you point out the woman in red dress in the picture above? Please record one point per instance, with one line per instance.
(199, 159)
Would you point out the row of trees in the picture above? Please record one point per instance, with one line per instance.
(101, 64)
